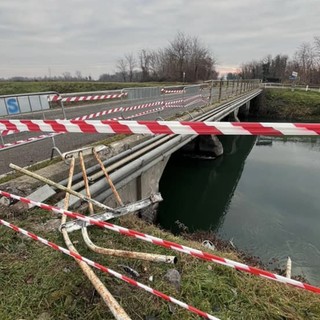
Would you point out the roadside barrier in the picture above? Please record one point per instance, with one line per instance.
(55, 98)
(162, 127)
(107, 270)
(168, 244)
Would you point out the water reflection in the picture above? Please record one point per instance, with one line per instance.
(266, 199)
(197, 192)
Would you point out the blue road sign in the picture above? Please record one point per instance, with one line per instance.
(12, 106)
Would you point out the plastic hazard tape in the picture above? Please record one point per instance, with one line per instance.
(32, 139)
(107, 270)
(55, 98)
(8, 132)
(118, 109)
(167, 91)
(162, 127)
(125, 109)
(168, 244)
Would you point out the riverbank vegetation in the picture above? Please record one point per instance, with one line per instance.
(298, 105)
(39, 283)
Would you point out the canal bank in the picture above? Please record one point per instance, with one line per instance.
(288, 105)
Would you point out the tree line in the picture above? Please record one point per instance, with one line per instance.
(185, 59)
(305, 61)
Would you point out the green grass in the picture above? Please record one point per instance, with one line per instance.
(38, 281)
(16, 87)
(285, 104)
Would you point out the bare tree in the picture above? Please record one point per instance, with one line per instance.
(78, 75)
(145, 61)
(67, 76)
(317, 50)
(201, 62)
(178, 52)
(123, 69)
(131, 63)
(183, 56)
(305, 58)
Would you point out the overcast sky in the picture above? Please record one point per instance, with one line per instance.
(42, 36)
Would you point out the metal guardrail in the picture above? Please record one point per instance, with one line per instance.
(291, 86)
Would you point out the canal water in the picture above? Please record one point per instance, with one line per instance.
(263, 193)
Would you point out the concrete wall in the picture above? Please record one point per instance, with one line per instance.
(141, 187)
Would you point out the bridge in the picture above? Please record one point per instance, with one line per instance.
(132, 103)
(135, 171)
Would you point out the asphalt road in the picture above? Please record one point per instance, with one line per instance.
(31, 153)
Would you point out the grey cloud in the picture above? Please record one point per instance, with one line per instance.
(91, 36)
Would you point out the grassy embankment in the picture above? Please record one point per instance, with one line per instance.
(285, 104)
(68, 87)
(39, 283)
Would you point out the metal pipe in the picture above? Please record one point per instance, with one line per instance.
(110, 161)
(124, 160)
(114, 190)
(127, 254)
(86, 182)
(58, 186)
(107, 297)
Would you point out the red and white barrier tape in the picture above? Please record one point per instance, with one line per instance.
(162, 127)
(29, 140)
(118, 109)
(125, 109)
(168, 244)
(55, 98)
(167, 91)
(107, 270)
(8, 132)
(143, 113)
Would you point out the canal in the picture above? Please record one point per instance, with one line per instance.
(263, 193)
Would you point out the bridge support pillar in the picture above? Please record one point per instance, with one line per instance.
(147, 184)
(244, 110)
(204, 147)
(233, 116)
